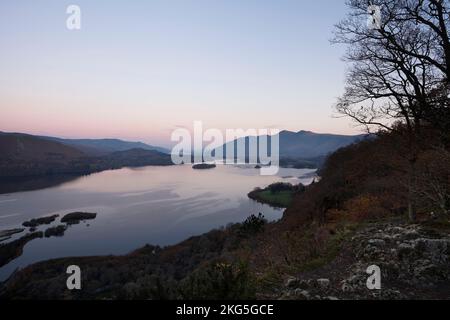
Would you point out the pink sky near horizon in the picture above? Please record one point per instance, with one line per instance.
(84, 118)
(44, 116)
(138, 70)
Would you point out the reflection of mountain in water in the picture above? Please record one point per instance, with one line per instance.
(17, 184)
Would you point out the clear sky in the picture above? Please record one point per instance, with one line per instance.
(139, 69)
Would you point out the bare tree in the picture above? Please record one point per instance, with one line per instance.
(433, 17)
(395, 67)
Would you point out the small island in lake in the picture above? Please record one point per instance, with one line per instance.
(14, 249)
(76, 217)
(33, 223)
(203, 166)
(57, 231)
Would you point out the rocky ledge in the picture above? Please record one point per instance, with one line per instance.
(57, 231)
(414, 263)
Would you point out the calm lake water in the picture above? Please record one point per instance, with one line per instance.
(150, 205)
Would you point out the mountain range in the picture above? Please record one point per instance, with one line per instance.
(23, 155)
(303, 148)
(307, 145)
(104, 146)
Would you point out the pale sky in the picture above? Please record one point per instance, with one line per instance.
(139, 69)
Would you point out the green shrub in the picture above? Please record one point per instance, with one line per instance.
(253, 224)
(280, 186)
(219, 281)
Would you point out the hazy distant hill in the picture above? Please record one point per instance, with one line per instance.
(137, 157)
(102, 146)
(304, 148)
(18, 146)
(23, 155)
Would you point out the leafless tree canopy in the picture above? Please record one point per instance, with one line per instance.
(399, 71)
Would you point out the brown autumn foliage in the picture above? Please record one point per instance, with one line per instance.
(369, 179)
(364, 182)
(360, 208)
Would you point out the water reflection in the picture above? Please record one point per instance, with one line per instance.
(17, 184)
(155, 205)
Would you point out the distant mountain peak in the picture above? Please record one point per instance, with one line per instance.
(308, 145)
(106, 145)
(287, 132)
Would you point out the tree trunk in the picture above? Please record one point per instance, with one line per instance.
(411, 186)
(413, 154)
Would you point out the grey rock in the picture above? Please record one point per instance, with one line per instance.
(292, 282)
(377, 242)
(411, 234)
(302, 294)
(346, 287)
(323, 283)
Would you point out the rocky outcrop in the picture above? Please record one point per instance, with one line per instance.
(57, 231)
(76, 217)
(414, 263)
(33, 223)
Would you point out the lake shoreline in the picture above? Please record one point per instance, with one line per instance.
(172, 261)
(147, 198)
(277, 195)
(13, 184)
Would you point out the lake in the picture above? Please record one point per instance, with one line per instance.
(149, 205)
